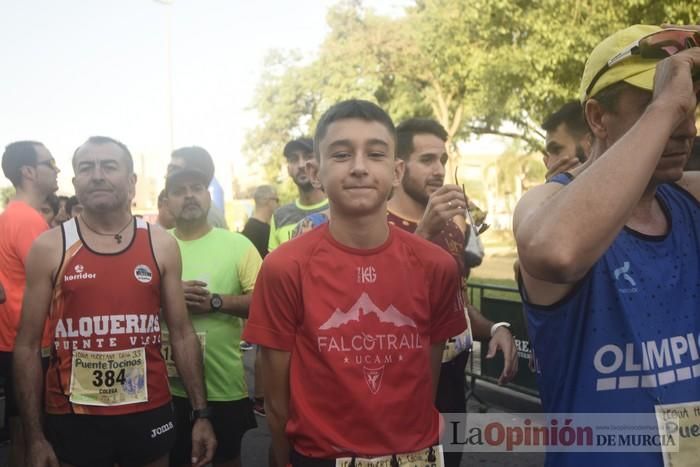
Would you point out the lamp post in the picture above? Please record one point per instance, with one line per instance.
(169, 54)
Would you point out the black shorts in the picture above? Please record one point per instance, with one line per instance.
(451, 397)
(131, 440)
(230, 421)
(7, 381)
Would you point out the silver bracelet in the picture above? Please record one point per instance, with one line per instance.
(495, 327)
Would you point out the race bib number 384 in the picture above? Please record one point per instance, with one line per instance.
(109, 378)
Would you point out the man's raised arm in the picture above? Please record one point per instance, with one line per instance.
(562, 232)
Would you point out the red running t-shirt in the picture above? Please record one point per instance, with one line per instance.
(359, 325)
(20, 225)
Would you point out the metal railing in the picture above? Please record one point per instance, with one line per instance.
(500, 303)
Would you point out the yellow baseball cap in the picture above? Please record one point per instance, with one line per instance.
(638, 72)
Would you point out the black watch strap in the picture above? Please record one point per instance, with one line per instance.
(200, 413)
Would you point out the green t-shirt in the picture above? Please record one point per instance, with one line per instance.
(286, 218)
(229, 264)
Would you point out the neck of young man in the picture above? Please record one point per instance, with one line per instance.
(263, 214)
(406, 207)
(362, 232)
(311, 197)
(192, 230)
(31, 196)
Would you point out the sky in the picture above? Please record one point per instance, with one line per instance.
(75, 68)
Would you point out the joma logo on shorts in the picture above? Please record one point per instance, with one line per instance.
(162, 429)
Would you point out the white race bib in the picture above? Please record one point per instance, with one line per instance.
(109, 378)
(167, 351)
(422, 458)
(682, 422)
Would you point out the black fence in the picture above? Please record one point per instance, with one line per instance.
(498, 303)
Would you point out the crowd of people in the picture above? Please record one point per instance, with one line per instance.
(121, 341)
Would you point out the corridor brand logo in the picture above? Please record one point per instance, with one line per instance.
(582, 432)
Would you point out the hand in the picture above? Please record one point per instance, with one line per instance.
(560, 165)
(674, 86)
(197, 297)
(445, 203)
(41, 454)
(203, 442)
(503, 340)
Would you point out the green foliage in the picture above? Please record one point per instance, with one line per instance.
(473, 65)
(6, 193)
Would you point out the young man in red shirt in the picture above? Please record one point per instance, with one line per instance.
(32, 170)
(353, 316)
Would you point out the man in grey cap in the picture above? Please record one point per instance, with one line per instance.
(195, 157)
(311, 199)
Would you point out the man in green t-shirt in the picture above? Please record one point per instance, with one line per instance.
(219, 269)
(311, 198)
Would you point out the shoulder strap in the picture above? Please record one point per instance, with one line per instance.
(70, 234)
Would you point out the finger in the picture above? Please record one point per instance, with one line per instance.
(507, 363)
(193, 298)
(493, 345)
(447, 188)
(195, 283)
(197, 452)
(211, 449)
(197, 291)
(514, 367)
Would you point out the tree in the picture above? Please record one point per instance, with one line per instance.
(473, 65)
(6, 193)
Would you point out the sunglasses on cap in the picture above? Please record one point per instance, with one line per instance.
(661, 44)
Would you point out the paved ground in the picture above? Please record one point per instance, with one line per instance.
(256, 442)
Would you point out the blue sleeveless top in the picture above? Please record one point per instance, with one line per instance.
(626, 338)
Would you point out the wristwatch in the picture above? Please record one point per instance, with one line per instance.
(200, 413)
(216, 302)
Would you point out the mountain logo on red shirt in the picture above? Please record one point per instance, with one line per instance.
(362, 307)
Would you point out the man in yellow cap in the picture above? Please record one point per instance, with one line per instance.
(609, 256)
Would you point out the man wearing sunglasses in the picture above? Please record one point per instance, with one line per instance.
(32, 170)
(609, 255)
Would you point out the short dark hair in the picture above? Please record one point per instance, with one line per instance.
(352, 108)
(52, 201)
(70, 204)
(107, 140)
(17, 155)
(609, 97)
(571, 114)
(196, 157)
(412, 127)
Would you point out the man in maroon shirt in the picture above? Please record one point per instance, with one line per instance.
(423, 204)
